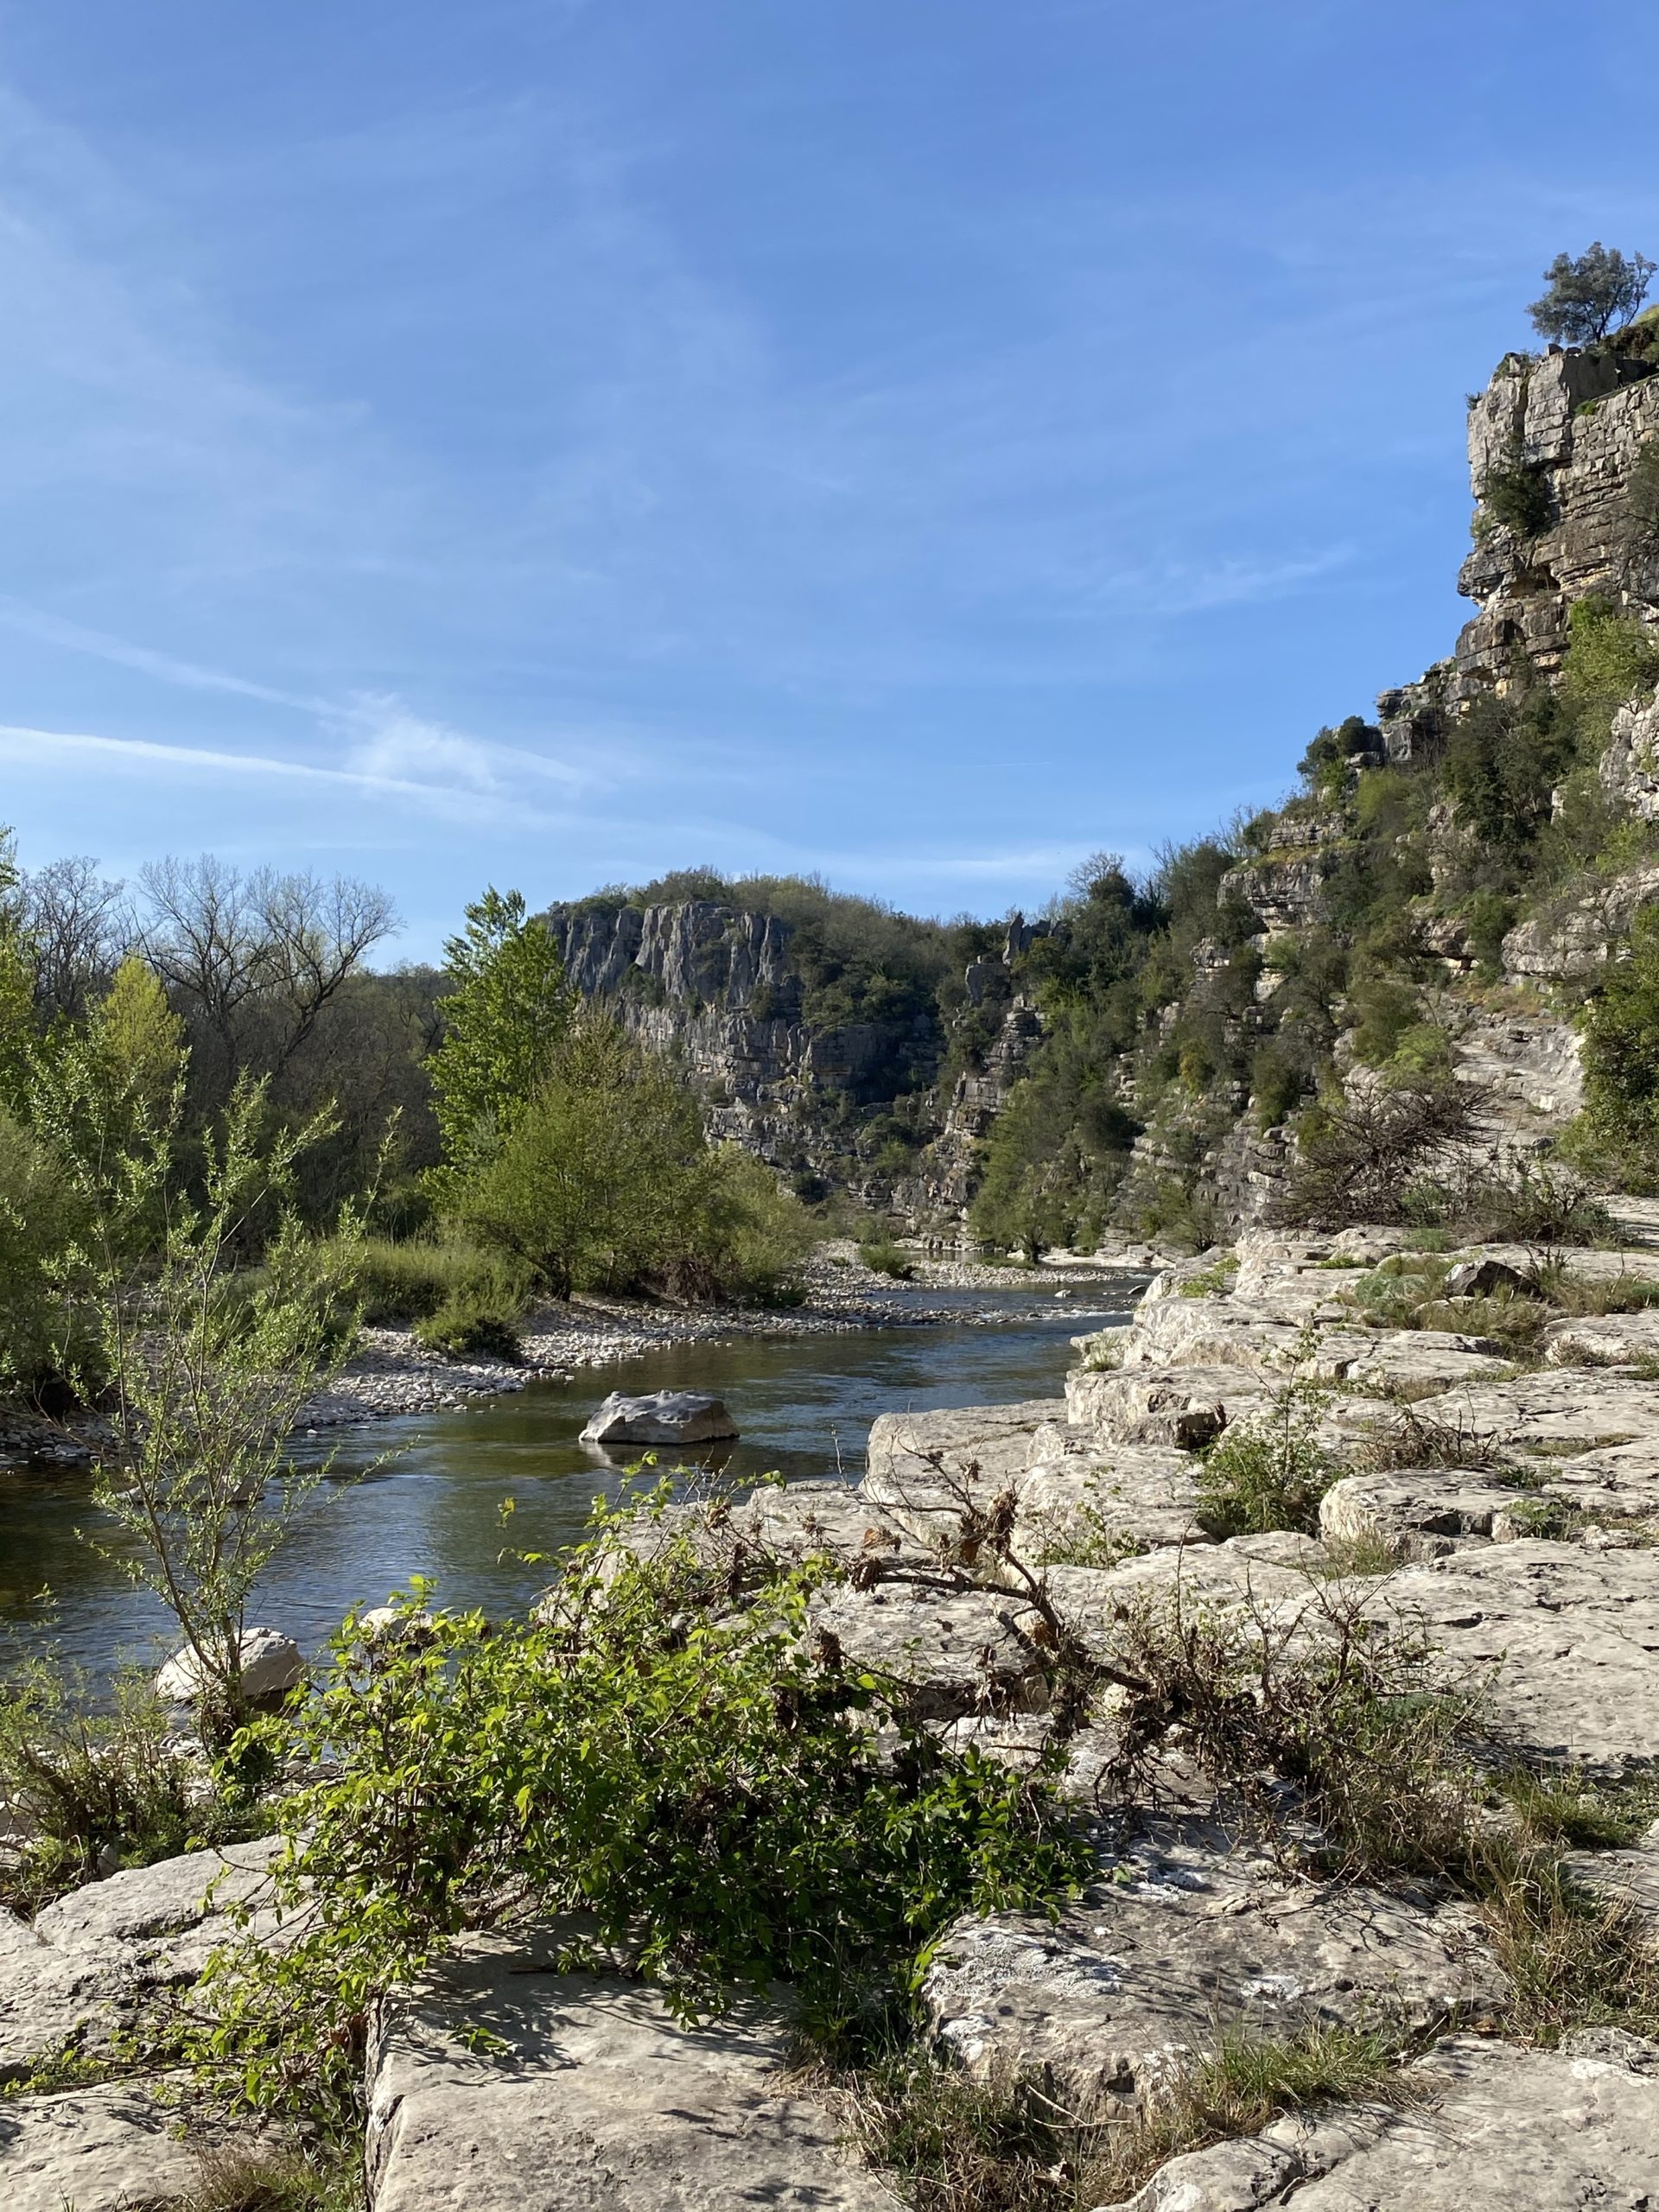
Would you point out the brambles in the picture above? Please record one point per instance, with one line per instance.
(1336, 1736)
(1360, 1154)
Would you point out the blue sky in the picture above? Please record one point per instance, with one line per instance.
(922, 441)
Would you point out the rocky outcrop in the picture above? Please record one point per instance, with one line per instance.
(1578, 420)
(1572, 941)
(1484, 2123)
(1629, 768)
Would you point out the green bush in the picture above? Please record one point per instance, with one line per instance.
(1269, 1473)
(750, 1236)
(1516, 493)
(95, 1779)
(463, 1328)
(45, 1337)
(1621, 1049)
(711, 1791)
(412, 1281)
(884, 1257)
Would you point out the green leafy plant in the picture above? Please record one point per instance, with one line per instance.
(206, 1381)
(94, 1781)
(707, 1789)
(1271, 1470)
(883, 1257)
(463, 1328)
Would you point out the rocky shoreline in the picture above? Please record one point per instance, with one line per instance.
(1504, 1511)
(391, 1374)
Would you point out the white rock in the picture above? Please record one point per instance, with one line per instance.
(595, 2100)
(660, 1417)
(1183, 1938)
(271, 1663)
(109, 2149)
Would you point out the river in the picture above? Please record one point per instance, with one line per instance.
(424, 1495)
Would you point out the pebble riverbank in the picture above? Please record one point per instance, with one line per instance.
(392, 1374)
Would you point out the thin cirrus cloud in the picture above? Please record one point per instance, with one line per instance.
(422, 763)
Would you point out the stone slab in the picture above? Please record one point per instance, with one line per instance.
(108, 2149)
(1183, 1939)
(1498, 2128)
(597, 2102)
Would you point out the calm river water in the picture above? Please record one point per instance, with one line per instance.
(424, 1495)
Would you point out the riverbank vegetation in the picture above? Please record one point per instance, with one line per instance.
(438, 1147)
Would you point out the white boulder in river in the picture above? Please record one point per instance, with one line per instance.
(660, 1417)
(271, 1663)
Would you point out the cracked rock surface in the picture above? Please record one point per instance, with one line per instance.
(596, 2101)
(1182, 1938)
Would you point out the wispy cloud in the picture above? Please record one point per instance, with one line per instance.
(166, 668)
(461, 781)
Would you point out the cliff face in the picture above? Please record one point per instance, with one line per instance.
(731, 994)
(1574, 424)
(1487, 833)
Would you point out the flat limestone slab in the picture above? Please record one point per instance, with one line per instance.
(1501, 2129)
(961, 1653)
(599, 2103)
(1423, 1512)
(1184, 1405)
(1568, 1638)
(1604, 1340)
(88, 1961)
(1182, 1939)
(921, 1468)
(1141, 1495)
(109, 2149)
(1567, 1408)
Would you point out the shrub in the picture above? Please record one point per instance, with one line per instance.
(465, 1329)
(1359, 1154)
(409, 1282)
(1621, 1047)
(1355, 1715)
(884, 1257)
(1269, 1471)
(710, 1791)
(95, 1780)
(751, 1235)
(1611, 658)
(46, 1337)
(1516, 493)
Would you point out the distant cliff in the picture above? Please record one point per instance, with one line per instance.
(1442, 888)
(840, 1043)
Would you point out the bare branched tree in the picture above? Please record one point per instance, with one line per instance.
(78, 931)
(252, 961)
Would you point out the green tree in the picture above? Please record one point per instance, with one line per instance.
(16, 981)
(1590, 294)
(505, 1015)
(1621, 1049)
(596, 1181)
